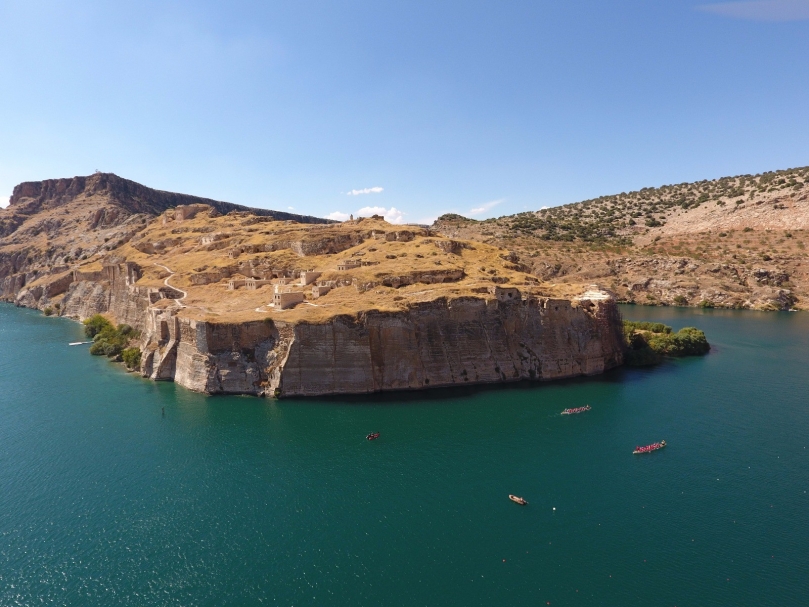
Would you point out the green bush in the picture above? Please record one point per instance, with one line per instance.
(131, 358)
(653, 327)
(681, 300)
(48, 311)
(95, 324)
(107, 339)
(647, 343)
(688, 341)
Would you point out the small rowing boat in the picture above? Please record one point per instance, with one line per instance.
(649, 448)
(576, 410)
(372, 435)
(518, 500)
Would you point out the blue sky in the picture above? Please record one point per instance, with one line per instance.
(417, 108)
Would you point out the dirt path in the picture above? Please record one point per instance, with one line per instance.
(166, 282)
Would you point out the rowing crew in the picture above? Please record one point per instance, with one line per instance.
(576, 410)
(650, 448)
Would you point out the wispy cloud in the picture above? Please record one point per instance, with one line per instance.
(761, 10)
(486, 206)
(391, 215)
(374, 190)
(291, 208)
(4, 202)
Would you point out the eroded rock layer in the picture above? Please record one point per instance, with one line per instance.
(439, 343)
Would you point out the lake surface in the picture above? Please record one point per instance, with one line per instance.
(241, 501)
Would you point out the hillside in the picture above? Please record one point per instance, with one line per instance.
(248, 303)
(61, 221)
(732, 242)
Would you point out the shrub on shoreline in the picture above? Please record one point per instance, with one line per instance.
(647, 343)
(109, 340)
(131, 358)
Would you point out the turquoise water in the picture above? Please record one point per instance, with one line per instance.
(241, 501)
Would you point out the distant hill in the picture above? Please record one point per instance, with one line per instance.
(775, 200)
(132, 197)
(736, 242)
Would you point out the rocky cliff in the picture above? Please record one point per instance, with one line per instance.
(230, 301)
(439, 343)
(443, 342)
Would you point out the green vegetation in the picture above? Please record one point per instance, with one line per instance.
(48, 311)
(95, 324)
(615, 219)
(647, 343)
(131, 358)
(455, 217)
(109, 340)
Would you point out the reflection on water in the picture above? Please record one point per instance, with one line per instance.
(237, 500)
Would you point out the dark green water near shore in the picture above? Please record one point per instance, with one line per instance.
(243, 501)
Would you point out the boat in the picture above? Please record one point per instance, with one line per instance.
(79, 343)
(649, 448)
(576, 410)
(372, 435)
(519, 500)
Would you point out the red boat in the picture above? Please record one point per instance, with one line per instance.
(372, 435)
(576, 410)
(649, 448)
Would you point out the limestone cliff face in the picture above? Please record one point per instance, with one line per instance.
(465, 340)
(440, 343)
(443, 343)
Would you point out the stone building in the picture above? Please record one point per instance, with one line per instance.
(189, 211)
(348, 264)
(505, 294)
(308, 277)
(320, 290)
(285, 297)
(235, 282)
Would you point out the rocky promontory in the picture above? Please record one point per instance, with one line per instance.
(225, 299)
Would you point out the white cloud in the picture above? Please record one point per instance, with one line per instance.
(291, 208)
(374, 190)
(368, 211)
(391, 215)
(761, 10)
(5, 204)
(337, 216)
(486, 206)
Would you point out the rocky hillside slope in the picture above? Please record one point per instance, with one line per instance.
(51, 224)
(735, 242)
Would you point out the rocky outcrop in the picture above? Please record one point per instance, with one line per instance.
(130, 198)
(440, 343)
